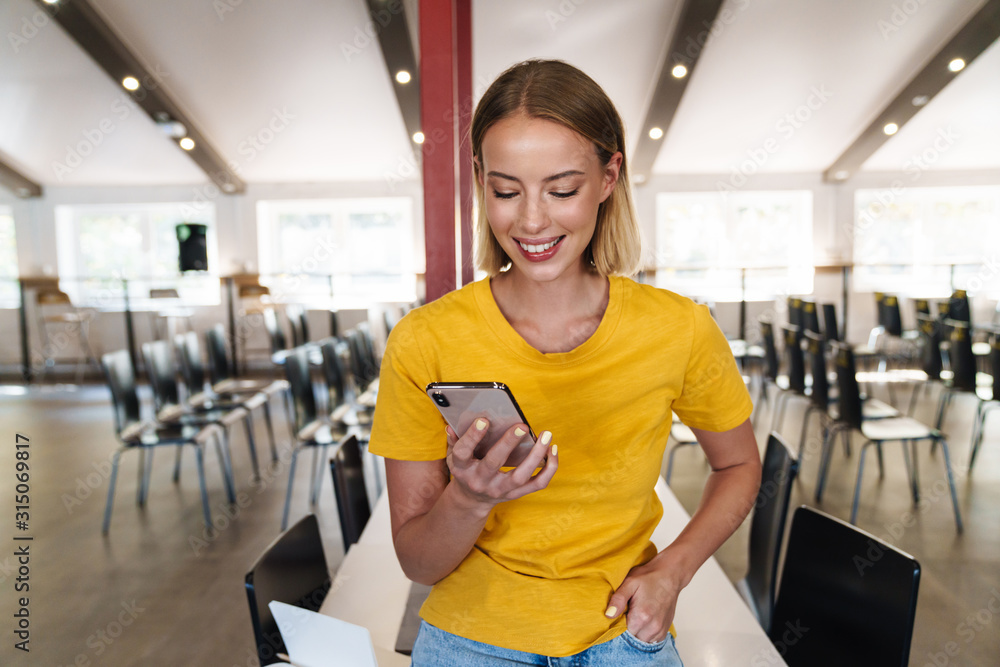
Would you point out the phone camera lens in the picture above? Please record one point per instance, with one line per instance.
(441, 400)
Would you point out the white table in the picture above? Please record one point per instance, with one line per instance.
(714, 626)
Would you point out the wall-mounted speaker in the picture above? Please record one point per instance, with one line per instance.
(192, 240)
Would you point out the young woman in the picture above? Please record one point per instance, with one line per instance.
(553, 558)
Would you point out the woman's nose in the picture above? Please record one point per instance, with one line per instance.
(533, 217)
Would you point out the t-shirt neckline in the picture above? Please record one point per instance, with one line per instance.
(512, 340)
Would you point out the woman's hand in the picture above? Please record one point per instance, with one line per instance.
(648, 597)
(480, 480)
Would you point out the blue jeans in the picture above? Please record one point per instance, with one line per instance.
(436, 648)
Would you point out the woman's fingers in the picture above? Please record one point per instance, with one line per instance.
(497, 455)
(463, 450)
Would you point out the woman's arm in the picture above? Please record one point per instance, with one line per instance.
(438, 508)
(649, 592)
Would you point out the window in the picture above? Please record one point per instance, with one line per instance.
(705, 241)
(9, 290)
(340, 253)
(100, 245)
(925, 242)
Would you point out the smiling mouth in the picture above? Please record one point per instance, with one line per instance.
(542, 247)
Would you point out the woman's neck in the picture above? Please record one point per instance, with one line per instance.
(552, 316)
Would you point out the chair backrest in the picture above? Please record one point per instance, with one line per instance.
(219, 365)
(770, 349)
(890, 312)
(333, 372)
(767, 527)
(921, 307)
(810, 317)
(121, 381)
(364, 367)
(929, 329)
(348, 473)
(958, 306)
(274, 332)
(880, 309)
(191, 364)
(162, 370)
(815, 353)
(300, 381)
(995, 364)
(292, 570)
(831, 330)
(298, 323)
(846, 597)
(795, 311)
(963, 363)
(847, 385)
(796, 362)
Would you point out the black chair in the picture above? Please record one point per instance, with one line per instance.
(831, 331)
(203, 396)
(162, 370)
(961, 377)
(135, 433)
(877, 431)
(312, 430)
(223, 378)
(796, 373)
(341, 404)
(767, 529)
(292, 570)
(989, 400)
(353, 508)
(771, 365)
(810, 317)
(298, 322)
(846, 597)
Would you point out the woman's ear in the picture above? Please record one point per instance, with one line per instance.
(611, 172)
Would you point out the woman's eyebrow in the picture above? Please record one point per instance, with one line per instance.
(554, 177)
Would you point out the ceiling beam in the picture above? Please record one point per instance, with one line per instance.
(16, 182)
(389, 20)
(85, 25)
(691, 33)
(978, 33)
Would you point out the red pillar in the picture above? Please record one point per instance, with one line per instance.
(441, 22)
(463, 45)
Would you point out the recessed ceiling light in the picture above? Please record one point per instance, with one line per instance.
(418, 137)
(679, 71)
(130, 83)
(920, 100)
(403, 76)
(187, 143)
(51, 2)
(655, 133)
(229, 187)
(956, 65)
(890, 129)
(842, 175)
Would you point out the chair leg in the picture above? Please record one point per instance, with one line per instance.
(909, 469)
(857, 485)
(288, 493)
(111, 491)
(881, 463)
(270, 429)
(177, 465)
(978, 439)
(916, 471)
(148, 473)
(943, 402)
(951, 484)
(227, 469)
(200, 458)
(805, 428)
(252, 444)
(825, 456)
(141, 471)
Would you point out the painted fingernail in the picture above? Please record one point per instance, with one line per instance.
(546, 437)
(481, 424)
(519, 431)
(611, 611)
(555, 450)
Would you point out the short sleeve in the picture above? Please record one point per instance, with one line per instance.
(406, 424)
(714, 397)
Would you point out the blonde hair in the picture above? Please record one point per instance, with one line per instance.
(556, 91)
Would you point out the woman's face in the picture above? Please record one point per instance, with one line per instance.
(542, 185)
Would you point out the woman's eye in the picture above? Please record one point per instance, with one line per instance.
(565, 195)
(504, 195)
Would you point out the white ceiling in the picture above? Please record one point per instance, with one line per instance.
(236, 72)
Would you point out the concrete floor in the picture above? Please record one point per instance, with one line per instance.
(159, 591)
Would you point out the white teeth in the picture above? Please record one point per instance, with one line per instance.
(538, 248)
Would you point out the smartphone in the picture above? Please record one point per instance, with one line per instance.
(461, 403)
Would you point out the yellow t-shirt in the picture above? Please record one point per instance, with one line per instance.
(541, 573)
